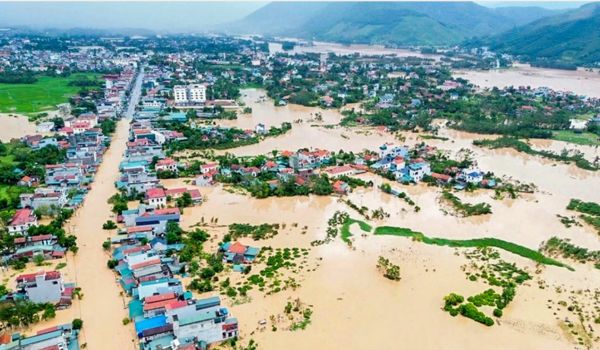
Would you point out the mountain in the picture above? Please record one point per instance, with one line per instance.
(572, 38)
(396, 23)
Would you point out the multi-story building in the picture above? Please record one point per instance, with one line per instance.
(195, 93)
(41, 287)
(21, 222)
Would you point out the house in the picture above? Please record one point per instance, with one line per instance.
(208, 168)
(338, 171)
(44, 197)
(260, 129)
(178, 192)
(418, 170)
(21, 222)
(54, 338)
(166, 164)
(473, 176)
(158, 217)
(28, 181)
(340, 187)
(441, 178)
(41, 287)
(204, 180)
(237, 253)
(156, 197)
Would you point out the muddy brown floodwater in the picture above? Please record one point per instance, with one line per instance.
(354, 306)
(13, 126)
(581, 82)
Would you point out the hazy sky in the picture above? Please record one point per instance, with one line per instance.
(157, 16)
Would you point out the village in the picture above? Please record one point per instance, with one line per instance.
(135, 211)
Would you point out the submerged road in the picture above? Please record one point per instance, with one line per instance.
(103, 306)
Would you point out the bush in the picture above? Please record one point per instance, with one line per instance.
(77, 323)
(109, 225)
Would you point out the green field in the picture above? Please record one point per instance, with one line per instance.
(584, 138)
(42, 95)
(472, 243)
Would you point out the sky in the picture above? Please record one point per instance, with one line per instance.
(158, 16)
(163, 17)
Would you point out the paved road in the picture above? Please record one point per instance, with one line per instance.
(103, 306)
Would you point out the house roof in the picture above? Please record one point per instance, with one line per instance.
(237, 248)
(155, 193)
(22, 217)
(48, 276)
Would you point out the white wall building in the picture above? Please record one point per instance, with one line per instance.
(195, 93)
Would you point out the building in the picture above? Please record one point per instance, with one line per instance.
(21, 222)
(473, 176)
(195, 93)
(61, 337)
(167, 164)
(418, 170)
(41, 287)
(156, 197)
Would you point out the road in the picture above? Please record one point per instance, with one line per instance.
(103, 306)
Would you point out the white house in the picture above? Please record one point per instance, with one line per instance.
(21, 222)
(474, 176)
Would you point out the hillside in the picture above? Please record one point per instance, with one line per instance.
(571, 38)
(394, 23)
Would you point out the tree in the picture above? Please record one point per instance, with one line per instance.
(185, 200)
(77, 323)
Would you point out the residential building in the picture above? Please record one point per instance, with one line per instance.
(21, 222)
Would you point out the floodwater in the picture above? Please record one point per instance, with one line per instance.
(354, 306)
(340, 49)
(103, 307)
(581, 81)
(13, 126)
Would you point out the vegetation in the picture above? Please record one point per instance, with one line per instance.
(471, 243)
(257, 232)
(590, 212)
(44, 94)
(496, 273)
(24, 313)
(563, 247)
(389, 270)
(109, 225)
(345, 230)
(466, 209)
(565, 156)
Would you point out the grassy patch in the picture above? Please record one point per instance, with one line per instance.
(583, 138)
(345, 230)
(471, 243)
(42, 95)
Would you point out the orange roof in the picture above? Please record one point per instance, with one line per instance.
(145, 263)
(160, 297)
(237, 248)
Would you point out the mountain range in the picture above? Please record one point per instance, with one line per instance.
(569, 38)
(391, 23)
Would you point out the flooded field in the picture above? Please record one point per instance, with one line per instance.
(581, 82)
(354, 307)
(14, 126)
